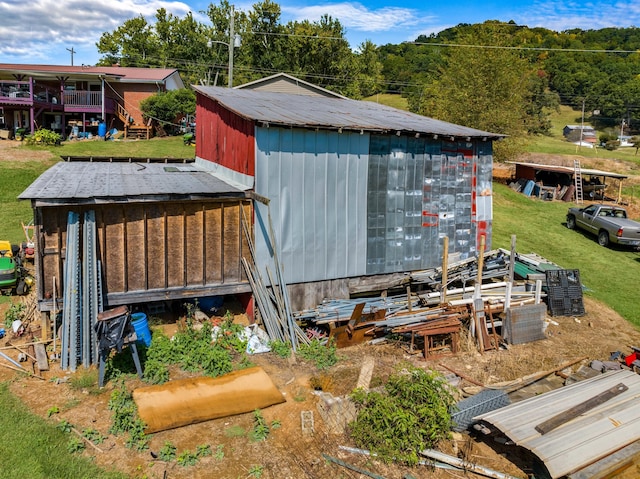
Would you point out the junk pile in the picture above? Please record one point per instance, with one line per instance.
(496, 298)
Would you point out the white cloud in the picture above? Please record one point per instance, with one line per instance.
(42, 29)
(358, 17)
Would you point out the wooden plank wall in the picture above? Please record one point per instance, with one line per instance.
(151, 246)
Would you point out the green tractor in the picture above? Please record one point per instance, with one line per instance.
(13, 276)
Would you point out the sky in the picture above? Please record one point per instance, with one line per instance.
(59, 32)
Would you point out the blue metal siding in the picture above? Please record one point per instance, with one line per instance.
(349, 204)
(316, 181)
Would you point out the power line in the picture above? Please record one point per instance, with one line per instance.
(535, 49)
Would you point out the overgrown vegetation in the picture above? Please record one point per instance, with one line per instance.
(322, 354)
(411, 414)
(196, 348)
(124, 418)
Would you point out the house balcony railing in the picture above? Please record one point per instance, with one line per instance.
(83, 98)
(30, 94)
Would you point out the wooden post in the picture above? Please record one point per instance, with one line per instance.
(480, 260)
(512, 258)
(445, 269)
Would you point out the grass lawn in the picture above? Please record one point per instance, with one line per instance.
(33, 448)
(610, 274)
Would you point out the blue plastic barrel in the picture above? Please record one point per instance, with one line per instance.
(102, 129)
(141, 326)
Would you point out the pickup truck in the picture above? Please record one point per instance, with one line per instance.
(609, 223)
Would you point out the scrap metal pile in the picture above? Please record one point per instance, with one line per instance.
(437, 308)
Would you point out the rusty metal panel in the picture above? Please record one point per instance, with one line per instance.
(155, 256)
(194, 243)
(213, 226)
(134, 247)
(176, 247)
(113, 259)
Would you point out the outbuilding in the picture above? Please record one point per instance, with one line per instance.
(164, 231)
(357, 194)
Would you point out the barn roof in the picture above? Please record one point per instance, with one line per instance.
(304, 111)
(90, 182)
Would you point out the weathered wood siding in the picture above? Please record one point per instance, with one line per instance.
(153, 251)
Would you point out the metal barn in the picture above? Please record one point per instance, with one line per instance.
(355, 189)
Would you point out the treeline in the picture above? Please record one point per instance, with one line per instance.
(498, 77)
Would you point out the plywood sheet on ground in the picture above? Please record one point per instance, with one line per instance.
(189, 401)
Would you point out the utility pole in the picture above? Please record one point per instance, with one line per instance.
(72, 52)
(234, 42)
(231, 46)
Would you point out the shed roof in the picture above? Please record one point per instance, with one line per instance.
(570, 170)
(82, 182)
(306, 111)
(579, 442)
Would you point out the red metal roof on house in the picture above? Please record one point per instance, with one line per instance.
(125, 73)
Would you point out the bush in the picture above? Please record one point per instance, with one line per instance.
(44, 137)
(412, 413)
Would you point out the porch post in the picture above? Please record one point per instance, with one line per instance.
(32, 113)
(104, 117)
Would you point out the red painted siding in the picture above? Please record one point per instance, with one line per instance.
(223, 137)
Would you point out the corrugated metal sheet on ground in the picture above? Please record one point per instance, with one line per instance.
(583, 440)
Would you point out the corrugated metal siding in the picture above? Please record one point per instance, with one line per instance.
(483, 193)
(316, 181)
(410, 193)
(581, 441)
(224, 138)
(419, 191)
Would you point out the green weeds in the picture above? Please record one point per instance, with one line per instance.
(412, 413)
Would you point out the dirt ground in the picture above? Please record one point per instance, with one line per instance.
(288, 453)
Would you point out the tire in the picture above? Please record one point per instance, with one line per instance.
(21, 287)
(603, 238)
(571, 222)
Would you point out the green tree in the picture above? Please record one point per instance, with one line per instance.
(132, 44)
(167, 107)
(368, 71)
(488, 88)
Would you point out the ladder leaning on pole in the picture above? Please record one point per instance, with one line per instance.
(577, 176)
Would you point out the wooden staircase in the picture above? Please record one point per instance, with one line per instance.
(133, 130)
